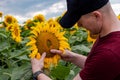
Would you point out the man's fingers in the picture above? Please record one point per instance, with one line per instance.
(56, 51)
(67, 51)
(43, 56)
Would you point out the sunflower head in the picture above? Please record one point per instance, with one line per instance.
(39, 18)
(49, 42)
(1, 14)
(28, 24)
(9, 27)
(15, 32)
(9, 20)
(54, 23)
(44, 38)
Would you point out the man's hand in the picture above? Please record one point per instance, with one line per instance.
(72, 57)
(38, 64)
(66, 55)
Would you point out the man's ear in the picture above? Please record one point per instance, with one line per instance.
(97, 15)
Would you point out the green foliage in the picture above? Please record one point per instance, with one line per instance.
(78, 40)
(15, 63)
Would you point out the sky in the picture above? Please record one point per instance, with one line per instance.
(27, 9)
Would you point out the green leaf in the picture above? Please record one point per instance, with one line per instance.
(3, 77)
(25, 33)
(4, 45)
(60, 72)
(5, 74)
(74, 70)
(22, 73)
(19, 53)
(80, 48)
(72, 39)
(3, 35)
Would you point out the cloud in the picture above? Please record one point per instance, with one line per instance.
(26, 9)
(4, 2)
(58, 7)
(21, 19)
(114, 1)
(50, 11)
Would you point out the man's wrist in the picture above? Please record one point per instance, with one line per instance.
(35, 69)
(36, 74)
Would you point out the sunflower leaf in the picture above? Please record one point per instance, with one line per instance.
(1, 34)
(4, 74)
(60, 72)
(80, 49)
(4, 46)
(22, 73)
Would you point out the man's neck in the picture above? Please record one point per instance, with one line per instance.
(111, 26)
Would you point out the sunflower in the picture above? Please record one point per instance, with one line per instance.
(39, 18)
(28, 24)
(9, 27)
(1, 14)
(9, 20)
(54, 23)
(15, 32)
(44, 38)
(12, 25)
(91, 38)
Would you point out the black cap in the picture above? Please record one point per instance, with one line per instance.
(77, 8)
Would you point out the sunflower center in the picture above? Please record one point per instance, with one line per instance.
(16, 32)
(49, 43)
(9, 20)
(45, 42)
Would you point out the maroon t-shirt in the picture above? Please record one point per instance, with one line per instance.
(103, 62)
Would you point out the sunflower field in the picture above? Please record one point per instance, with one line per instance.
(19, 43)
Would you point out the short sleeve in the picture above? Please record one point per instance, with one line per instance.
(101, 66)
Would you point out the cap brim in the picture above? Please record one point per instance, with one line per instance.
(69, 19)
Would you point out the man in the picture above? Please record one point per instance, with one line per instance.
(103, 62)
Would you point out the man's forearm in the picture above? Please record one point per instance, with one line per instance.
(79, 60)
(42, 76)
(77, 77)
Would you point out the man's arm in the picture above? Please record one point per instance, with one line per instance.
(79, 60)
(75, 58)
(77, 77)
(72, 57)
(42, 76)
